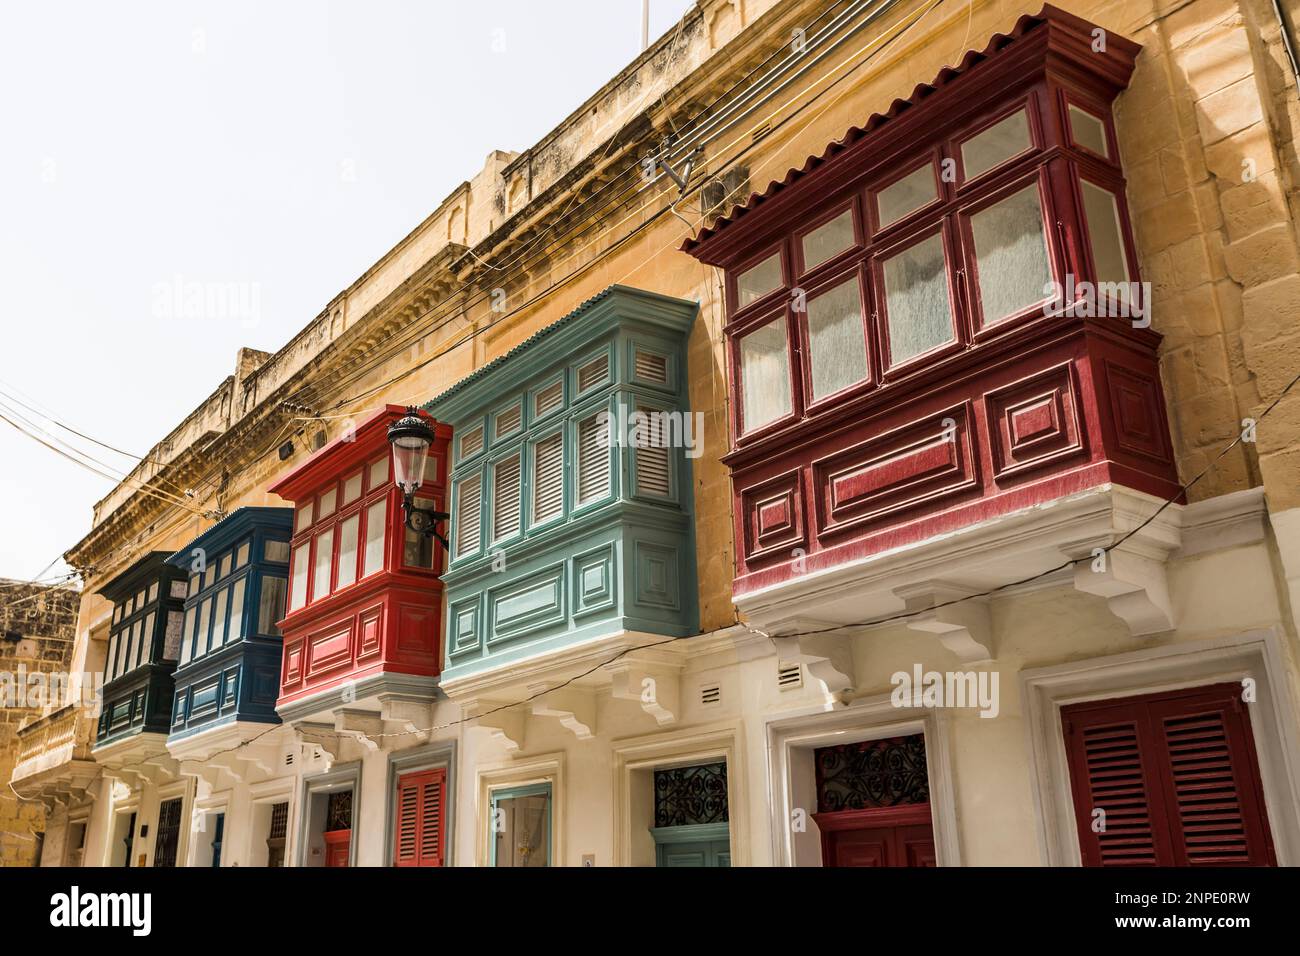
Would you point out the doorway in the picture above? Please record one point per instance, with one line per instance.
(873, 803)
(691, 819)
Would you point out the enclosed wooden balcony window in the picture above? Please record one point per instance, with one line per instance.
(943, 307)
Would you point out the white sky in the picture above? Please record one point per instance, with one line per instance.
(284, 146)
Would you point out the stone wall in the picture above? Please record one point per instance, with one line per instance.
(37, 626)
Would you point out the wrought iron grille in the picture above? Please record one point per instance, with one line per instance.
(872, 773)
(689, 795)
(338, 813)
(275, 837)
(169, 833)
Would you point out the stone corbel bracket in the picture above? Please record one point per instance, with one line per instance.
(827, 657)
(1132, 579)
(413, 719)
(963, 628)
(653, 682)
(322, 737)
(363, 726)
(501, 721)
(573, 708)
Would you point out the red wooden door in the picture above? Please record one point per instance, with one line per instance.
(1168, 779)
(883, 836)
(421, 801)
(337, 845)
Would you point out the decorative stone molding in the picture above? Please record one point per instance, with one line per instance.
(654, 683)
(414, 718)
(363, 726)
(573, 708)
(502, 722)
(827, 657)
(962, 628)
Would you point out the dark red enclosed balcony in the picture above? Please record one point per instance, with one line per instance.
(364, 607)
(939, 321)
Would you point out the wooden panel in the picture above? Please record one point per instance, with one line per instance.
(773, 515)
(371, 629)
(1034, 423)
(927, 460)
(329, 649)
(1135, 411)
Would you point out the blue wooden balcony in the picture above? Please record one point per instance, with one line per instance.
(230, 645)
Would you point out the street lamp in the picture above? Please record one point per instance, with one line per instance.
(411, 437)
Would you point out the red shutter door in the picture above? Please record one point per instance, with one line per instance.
(1175, 775)
(421, 815)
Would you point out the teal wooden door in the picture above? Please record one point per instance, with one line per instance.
(706, 844)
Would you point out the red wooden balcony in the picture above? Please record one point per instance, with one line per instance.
(364, 604)
(939, 321)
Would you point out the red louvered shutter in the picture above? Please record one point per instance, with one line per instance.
(1177, 776)
(421, 815)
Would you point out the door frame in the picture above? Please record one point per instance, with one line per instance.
(1254, 654)
(867, 718)
(515, 773)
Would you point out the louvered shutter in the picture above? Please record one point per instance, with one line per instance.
(471, 443)
(468, 505)
(548, 477)
(593, 373)
(421, 817)
(505, 498)
(548, 398)
(507, 422)
(1109, 774)
(1177, 776)
(653, 457)
(651, 367)
(593, 458)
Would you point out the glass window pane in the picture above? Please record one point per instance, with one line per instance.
(916, 299)
(995, 145)
(836, 339)
(224, 567)
(324, 561)
(270, 605)
(219, 619)
(907, 195)
(378, 473)
(1088, 131)
(352, 488)
(1102, 213)
(325, 507)
(299, 591)
(376, 521)
(756, 281)
(210, 574)
(194, 587)
(1011, 254)
(765, 375)
(153, 592)
(205, 622)
(144, 643)
(188, 631)
(348, 532)
(828, 239)
(236, 629)
(302, 517)
(241, 556)
(417, 549)
(277, 551)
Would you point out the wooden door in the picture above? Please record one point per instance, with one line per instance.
(886, 836)
(421, 813)
(1167, 779)
(338, 844)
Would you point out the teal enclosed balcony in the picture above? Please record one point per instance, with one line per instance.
(571, 490)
